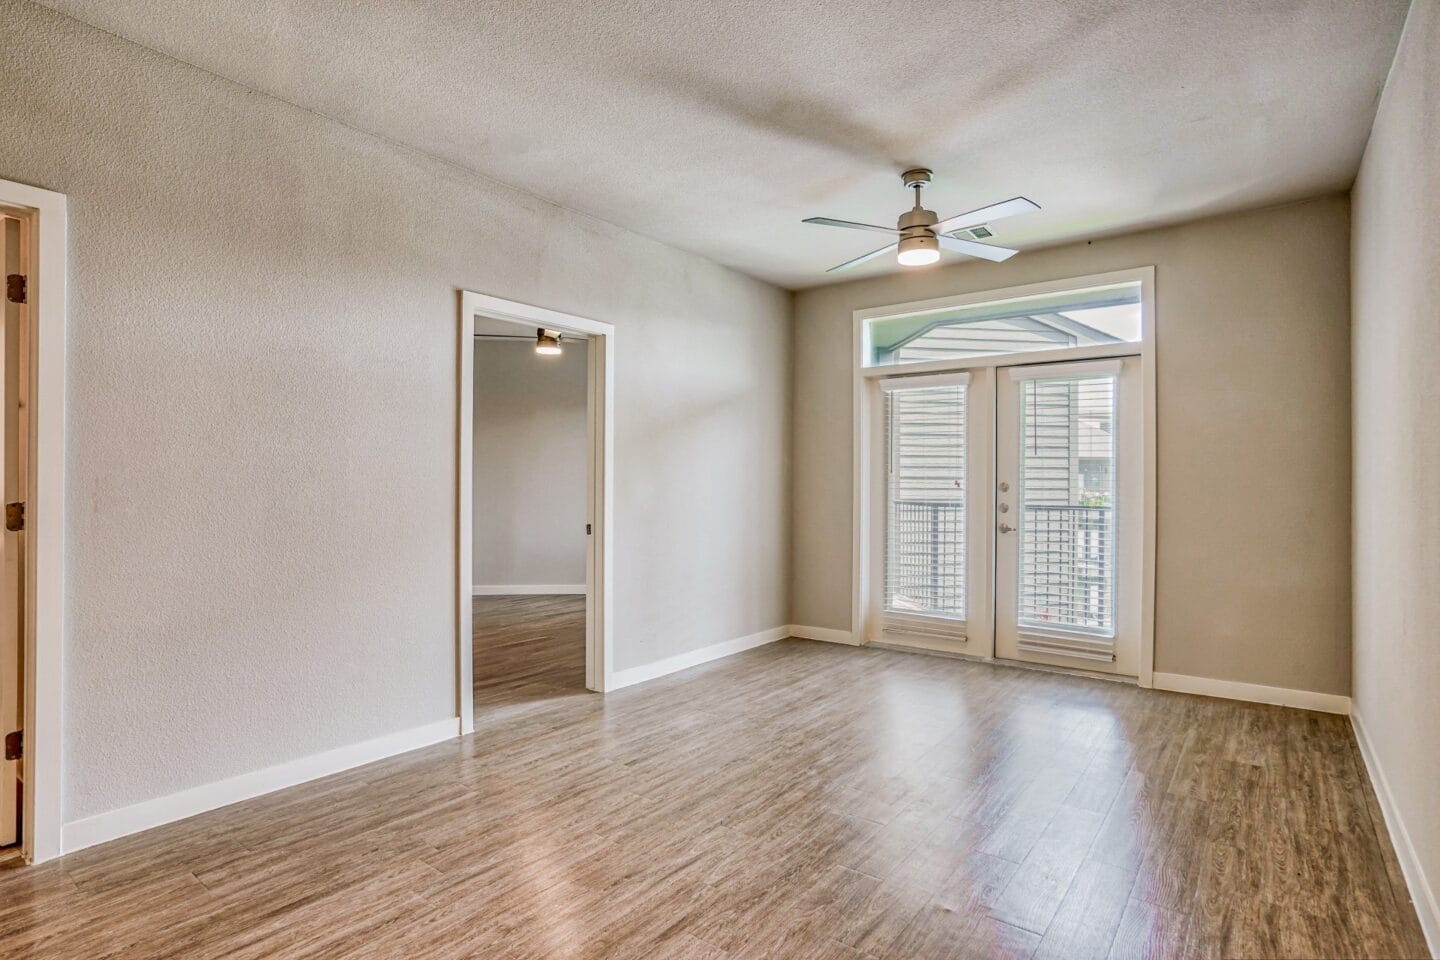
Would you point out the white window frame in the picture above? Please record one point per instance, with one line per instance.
(865, 403)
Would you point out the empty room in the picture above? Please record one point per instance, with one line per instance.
(690, 481)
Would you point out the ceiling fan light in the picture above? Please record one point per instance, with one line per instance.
(918, 251)
(547, 342)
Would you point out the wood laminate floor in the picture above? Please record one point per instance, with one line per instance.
(526, 649)
(799, 801)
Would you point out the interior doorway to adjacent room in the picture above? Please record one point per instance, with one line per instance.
(15, 473)
(535, 459)
(530, 436)
(32, 571)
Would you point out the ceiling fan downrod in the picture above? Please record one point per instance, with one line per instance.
(918, 244)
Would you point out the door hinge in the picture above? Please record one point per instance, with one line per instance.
(15, 287)
(587, 529)
(14, 745)
(15, 516)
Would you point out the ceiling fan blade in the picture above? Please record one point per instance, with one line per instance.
(861, 259)
(973, 249)
(996, 211)
(827, 222)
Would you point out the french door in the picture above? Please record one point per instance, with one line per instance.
(932, 475)
(1006, 515)
(1068, 518)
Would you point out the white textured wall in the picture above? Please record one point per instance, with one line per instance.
(531, 437)
(1396, 359)
(1253, 534)
(262, 389)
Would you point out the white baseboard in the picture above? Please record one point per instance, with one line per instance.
(1253, 692)
(683, 661)
(1421, 894)
(524, 589)
(827, 634)
(187, 803)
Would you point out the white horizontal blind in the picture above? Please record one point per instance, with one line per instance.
(925, 427)
(1067, 515)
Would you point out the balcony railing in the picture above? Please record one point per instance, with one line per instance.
(925, 557)
(1067, 564)
(1067, 567)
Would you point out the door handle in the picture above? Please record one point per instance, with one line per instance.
(1005, 527)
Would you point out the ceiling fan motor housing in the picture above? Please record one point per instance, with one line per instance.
(916, 220)
(916, 236)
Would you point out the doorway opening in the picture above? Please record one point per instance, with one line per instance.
(1005, 476)
(529, 481)
(32, 369)
(534, 488)
(15, 473)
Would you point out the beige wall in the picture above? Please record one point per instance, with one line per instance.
(531, 437)
(1396, 360)
(262, 392)
(1253, 539)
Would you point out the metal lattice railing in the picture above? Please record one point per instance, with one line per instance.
(1067, 567)
(925, 562)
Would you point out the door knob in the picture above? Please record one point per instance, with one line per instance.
(1005, 527)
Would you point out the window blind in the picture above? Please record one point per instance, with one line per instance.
(1067, 515)
(925, 443)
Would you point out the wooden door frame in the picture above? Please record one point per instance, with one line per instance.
(600, 492)
(862, 403)
(45, 213)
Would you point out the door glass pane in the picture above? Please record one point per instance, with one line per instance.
(925, 493)
(1067, 504)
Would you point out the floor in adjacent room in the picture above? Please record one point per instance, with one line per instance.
(796, 801)
(527, 649)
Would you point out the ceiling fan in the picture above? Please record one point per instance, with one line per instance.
(921, 234)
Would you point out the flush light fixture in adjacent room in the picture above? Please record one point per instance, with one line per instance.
(547, 342)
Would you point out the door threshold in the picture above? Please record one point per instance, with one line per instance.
(1069, 671)
(900, 647)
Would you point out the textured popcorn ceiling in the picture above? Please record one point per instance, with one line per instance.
(717, 126)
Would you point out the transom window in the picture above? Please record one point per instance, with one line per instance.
(1093, 316)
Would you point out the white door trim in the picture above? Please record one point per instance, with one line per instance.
(862, 412)
(600, 499)
(45, 519)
